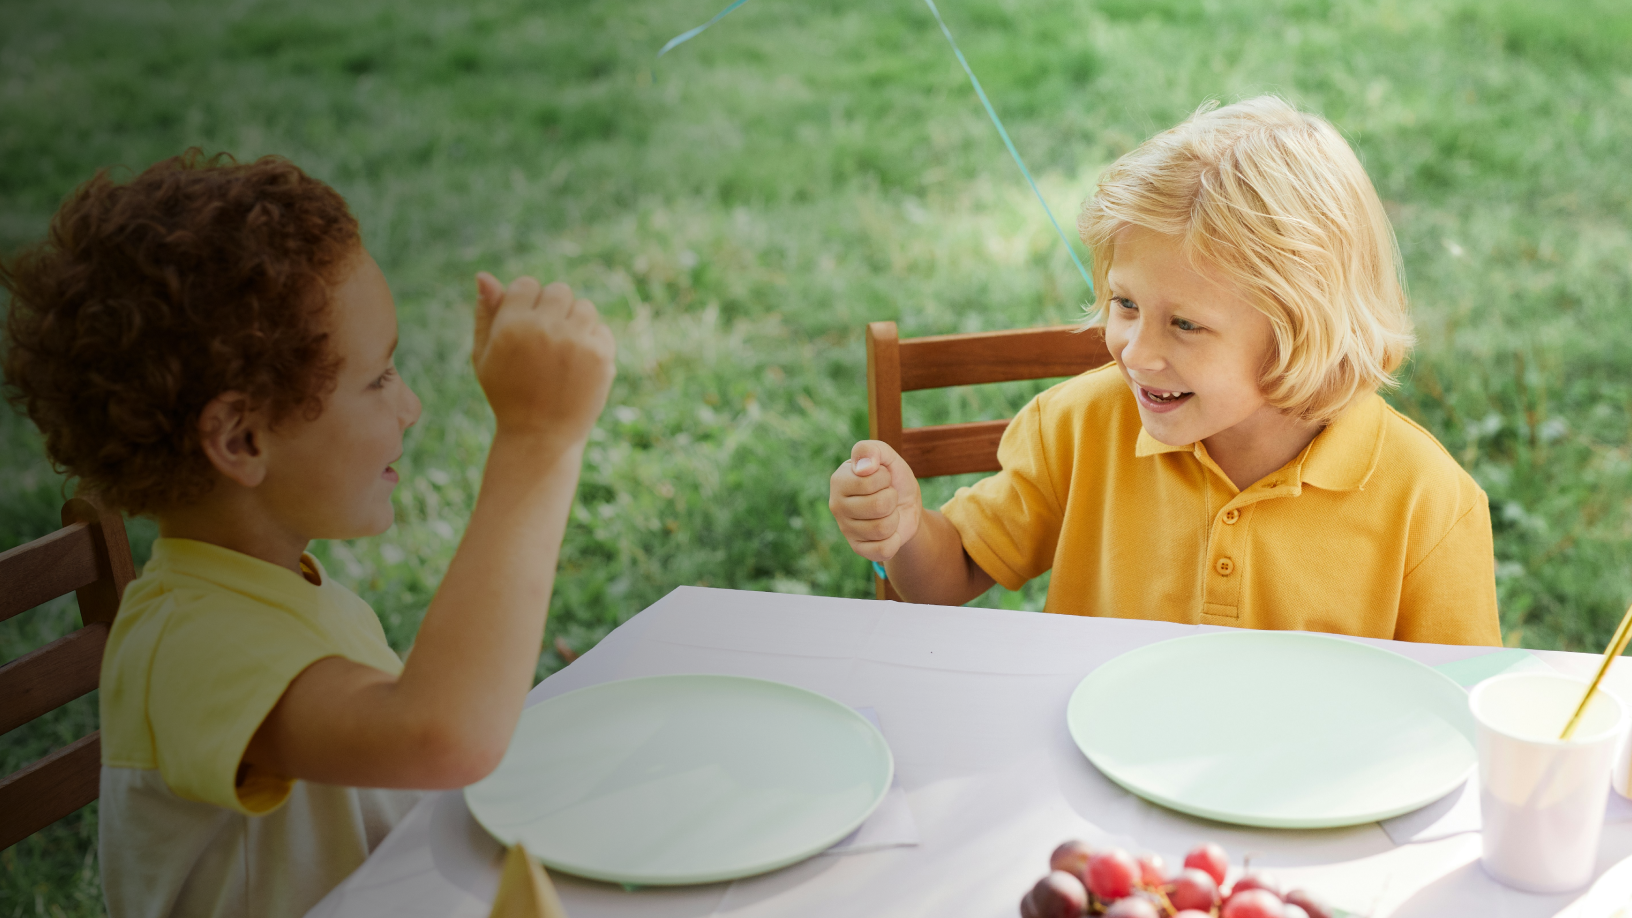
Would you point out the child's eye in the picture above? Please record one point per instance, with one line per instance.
(1124, 303)
(383, 378)
(1186, 325)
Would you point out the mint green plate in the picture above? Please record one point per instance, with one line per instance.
(1275, 728)
(668, 780)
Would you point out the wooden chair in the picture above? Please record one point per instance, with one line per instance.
(90, 555)
(895, 366)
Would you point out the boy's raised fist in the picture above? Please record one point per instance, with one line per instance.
(875, 499)
(543, 358)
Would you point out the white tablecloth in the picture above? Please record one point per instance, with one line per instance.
(972, 702)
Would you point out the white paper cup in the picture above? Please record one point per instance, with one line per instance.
(1621, 778)
(1542, 800)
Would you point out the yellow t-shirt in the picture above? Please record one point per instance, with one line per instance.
(1373, 530)
(206, 642)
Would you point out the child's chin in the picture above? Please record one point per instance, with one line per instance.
(1162, 432)
(378, 524)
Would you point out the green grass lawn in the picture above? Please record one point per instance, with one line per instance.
(739, 209)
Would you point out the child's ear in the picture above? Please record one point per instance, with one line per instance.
(230, 432)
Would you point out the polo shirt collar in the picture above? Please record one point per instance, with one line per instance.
(1340, 458)
(1344, 455)
(235, 571)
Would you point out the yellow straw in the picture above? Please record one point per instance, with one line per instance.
(1616, 645)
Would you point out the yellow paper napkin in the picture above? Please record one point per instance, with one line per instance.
(525, 890)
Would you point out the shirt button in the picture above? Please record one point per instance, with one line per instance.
(1224, 566)
(1231, 515)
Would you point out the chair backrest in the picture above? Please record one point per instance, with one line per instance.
(89, 556)
(895, 366)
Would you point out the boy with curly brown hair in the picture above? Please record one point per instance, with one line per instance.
(210, 344)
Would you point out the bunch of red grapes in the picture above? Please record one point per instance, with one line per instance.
(1111, 883)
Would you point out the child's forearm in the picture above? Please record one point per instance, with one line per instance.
(932, 567)
(477, 649)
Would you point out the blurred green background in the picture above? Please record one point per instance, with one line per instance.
(739, 210)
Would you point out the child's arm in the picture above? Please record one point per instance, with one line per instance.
(545, 363)
(875, 499)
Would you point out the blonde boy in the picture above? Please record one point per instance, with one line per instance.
(211, 344)
(1235, 465)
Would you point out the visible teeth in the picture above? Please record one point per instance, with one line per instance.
(1165, 398)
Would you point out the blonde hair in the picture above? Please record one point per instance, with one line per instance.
(1274, 200)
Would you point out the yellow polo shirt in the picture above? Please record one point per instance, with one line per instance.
(1373, 530)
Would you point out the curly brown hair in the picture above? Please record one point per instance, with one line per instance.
(148, 299)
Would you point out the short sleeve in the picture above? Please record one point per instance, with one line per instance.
(217, 673)
(1450, 596)
(1010, 522)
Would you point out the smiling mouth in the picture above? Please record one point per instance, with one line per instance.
(1164, 398)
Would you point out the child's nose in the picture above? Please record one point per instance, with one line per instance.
(411, 407)
(1141, 352)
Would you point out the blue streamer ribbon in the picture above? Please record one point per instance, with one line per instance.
(880, 571)
(996, 122)
(688, 35)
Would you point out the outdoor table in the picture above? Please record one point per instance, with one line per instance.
(972, 703)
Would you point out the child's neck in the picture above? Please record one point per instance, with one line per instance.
(1259, 446)
(239, 525)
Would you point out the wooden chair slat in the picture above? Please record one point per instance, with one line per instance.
(884, 383)
(99, 601)
(46, 568)
(51, 676)
(895, 365)
(953, 449)
(884, 400)
(50, 789)
(89, 556)
(938, 361)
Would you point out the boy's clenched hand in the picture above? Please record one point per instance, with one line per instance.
(543, 358)
(875, 499)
